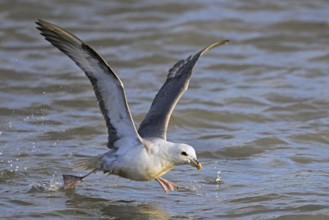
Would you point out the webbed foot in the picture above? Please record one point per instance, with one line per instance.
(166, 184)
(71, 181)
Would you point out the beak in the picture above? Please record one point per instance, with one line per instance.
(196, 163)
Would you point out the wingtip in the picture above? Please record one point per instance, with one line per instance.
(42, 25)
(40, 22)
(216, 44)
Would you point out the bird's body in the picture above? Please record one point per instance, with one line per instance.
(126, 162)
(138, 161)
(143, 154)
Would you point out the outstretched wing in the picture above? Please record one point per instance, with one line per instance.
(108, 87)
(156, 121)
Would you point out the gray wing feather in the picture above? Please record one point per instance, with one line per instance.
(156, 121)
(108, 87)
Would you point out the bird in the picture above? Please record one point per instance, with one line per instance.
(142, 154)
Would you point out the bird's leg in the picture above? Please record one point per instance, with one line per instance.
(166, 184)
(71, 181)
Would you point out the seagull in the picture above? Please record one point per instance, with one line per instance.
(143, 154)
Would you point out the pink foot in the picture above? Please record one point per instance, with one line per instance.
(166, 184)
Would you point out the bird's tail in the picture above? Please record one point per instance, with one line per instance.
(89, 163)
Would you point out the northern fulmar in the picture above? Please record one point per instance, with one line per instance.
(143, 154)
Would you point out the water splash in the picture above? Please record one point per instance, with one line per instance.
(53, 185)
(218, 179)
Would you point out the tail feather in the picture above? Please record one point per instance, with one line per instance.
(89, 163)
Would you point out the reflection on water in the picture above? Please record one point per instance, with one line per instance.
(144, 211)
(256, 110)
(121, 209)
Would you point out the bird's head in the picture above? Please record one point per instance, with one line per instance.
(185, 154)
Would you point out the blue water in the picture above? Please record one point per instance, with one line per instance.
(256, 110)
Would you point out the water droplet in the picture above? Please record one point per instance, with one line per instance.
(218, 179)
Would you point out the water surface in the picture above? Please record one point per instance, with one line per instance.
(256, 110)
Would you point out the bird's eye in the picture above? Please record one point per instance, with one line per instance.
(184, 153)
